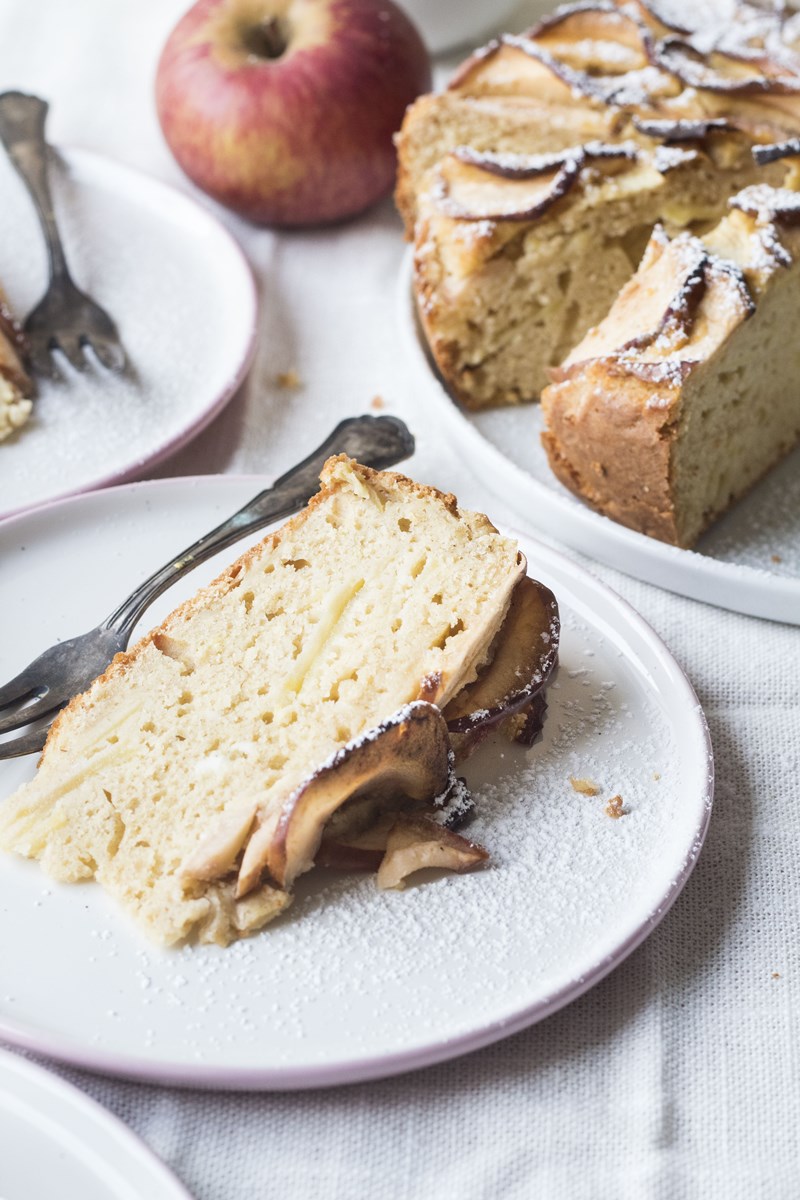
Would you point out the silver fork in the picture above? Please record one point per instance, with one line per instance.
(67, 668)
(65, 319)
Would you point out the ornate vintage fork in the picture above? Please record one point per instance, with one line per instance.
(68, 668)
(65, 319)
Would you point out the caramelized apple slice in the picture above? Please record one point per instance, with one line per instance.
(681, 129)
(359, 851)
(724, 72)
(524, 658)
(406, 756)
(594, 37)
(681, 303)
(482, 186)
(776, 151)
(768, 204)
(510, 187)
(516, 66)
(416, 843)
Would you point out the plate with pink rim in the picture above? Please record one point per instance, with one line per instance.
(58, 1142)
(182, 295)
(353, 983)
(749, 562)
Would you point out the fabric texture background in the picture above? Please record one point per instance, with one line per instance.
(675, 1077)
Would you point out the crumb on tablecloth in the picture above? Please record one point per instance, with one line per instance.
(377, 402)
(776, 974)
(776, 558)
(289, 379)
(615, 807)
(584, 786)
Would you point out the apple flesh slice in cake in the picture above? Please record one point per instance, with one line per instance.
(195, 778)
(685, 395)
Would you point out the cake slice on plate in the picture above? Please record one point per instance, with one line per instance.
(319, 686)
(16, 388)
(686, 394)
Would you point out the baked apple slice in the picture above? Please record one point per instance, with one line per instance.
(597, 38)
(405, 758)
(525, 656)
(482, 186)
(418, 843)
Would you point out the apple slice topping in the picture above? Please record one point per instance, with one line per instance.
(481, 186)
(715, 71)
(768, 204)
(776, 151)
(416, 843)
(524, 658)
(515, 66)
(594, 37)
(681, 129)
(681, 303)
(406, 757)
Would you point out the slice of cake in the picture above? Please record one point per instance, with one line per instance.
(302, 690)
(16, 388)
(687, 392)
(516, 256)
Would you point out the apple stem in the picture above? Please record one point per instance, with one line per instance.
(267, 39)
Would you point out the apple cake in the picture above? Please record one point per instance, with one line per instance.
(16, 388)
(308, 702)
(686, 393)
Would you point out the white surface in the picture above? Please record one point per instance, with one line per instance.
(58, 1143)
(749, 561)
(673, 1079)
(568, 891)
(183, 299)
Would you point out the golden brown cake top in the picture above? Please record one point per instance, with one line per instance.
(654, 59)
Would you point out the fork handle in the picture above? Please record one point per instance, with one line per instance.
(375, 441)
(22, 120)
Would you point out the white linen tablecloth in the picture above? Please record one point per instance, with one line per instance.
(675, 1077)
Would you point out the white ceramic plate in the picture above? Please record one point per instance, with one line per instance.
(354, 983)
(58, 1143)
(183, 298)
(749, 562)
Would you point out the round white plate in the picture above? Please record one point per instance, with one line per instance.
(58, 1143)
(183, 298)
(749, 562)
(355, 983)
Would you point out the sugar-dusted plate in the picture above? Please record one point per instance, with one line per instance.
(184, 300)
(58, 1142)
(749, 562)
(354, 983)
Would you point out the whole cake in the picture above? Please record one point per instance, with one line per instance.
(531, 186)
(308, 703)
(686, 393)
(16, 388)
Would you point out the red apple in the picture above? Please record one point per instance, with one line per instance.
(284, 110)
